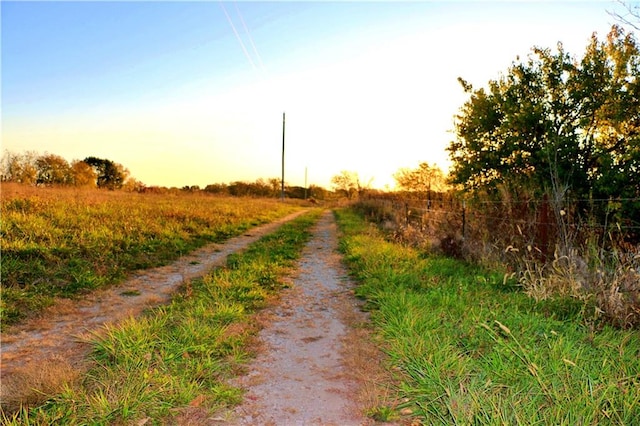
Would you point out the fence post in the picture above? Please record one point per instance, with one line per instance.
(544, 226)
(406, 213)
(464, 219)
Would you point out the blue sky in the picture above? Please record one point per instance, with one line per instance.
(191, 93)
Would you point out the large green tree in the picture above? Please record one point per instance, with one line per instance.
(110, 175)
(554, 124)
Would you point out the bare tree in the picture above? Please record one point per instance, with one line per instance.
(347, 183)
(631, 14)
(19, 168)
(424, 179)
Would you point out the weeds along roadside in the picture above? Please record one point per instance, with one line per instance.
(60, 242)
(554, 249)
(470, 348)
(172, 364)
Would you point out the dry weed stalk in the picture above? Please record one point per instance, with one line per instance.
(566, 276)
(618, 293)
(615, 288)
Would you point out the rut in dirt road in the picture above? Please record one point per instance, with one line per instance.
(59, 338)
(300, 378)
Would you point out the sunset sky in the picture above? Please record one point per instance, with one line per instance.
(192, 93)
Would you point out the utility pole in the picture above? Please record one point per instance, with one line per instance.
(282, 187)
(305, 183)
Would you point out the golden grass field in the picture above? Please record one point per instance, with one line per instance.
(61, 242)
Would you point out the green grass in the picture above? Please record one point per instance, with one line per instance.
(178, 357)
(59, 242)
(471, 349)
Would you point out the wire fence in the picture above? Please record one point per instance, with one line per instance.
(543, 223)
(587, 249)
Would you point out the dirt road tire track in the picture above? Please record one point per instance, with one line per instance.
(59, 335)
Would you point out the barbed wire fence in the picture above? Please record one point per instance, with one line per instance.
(531, 224)
(587, 249)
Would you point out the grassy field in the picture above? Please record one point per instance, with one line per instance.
(171, 366)
(467, 346)
(63, 242)
(472, 349)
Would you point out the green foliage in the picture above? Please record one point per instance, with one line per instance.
(472, 349)
(266, 188)
(178, 357)
(110, 175)
(553, 122)
(383, 414)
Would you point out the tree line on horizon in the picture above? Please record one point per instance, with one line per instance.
(50, 169)
(47, 169)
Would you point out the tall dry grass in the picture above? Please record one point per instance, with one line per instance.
(33, 386)
(62, 242)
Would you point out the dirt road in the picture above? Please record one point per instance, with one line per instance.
(59, 336)
(309, 371)
(306, 373)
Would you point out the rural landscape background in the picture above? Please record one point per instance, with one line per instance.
(192, 93)
(502, 280)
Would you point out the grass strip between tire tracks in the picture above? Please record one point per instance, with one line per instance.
(172, 364)
(472, 349)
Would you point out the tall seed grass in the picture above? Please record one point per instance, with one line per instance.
(61, 242)
(173, 363)
(474, 349)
